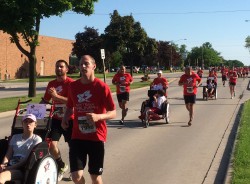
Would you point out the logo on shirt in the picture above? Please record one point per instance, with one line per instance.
(84, 97)
(122, 78)
(189, 80)
(59, 89)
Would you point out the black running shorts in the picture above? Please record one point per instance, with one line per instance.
(78, 152)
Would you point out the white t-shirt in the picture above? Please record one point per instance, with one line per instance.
(21, 147)
(160, 101)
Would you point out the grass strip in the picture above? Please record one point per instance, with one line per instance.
(8, 104)
(241, 161)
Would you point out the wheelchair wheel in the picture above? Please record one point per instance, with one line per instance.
(146, 120)
(143, 105)
(44, 171)
(204, 93)
(215, 94)
(167, 114)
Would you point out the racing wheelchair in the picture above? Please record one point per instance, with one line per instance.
(40, 166)
(146, 116)
(211, 85)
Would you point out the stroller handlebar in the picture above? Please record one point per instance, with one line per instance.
(25, 101)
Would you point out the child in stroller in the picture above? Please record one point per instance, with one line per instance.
(156, 109)
(210, 87)
(157, 101)
(210, 90)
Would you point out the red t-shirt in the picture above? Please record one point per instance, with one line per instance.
(224, 72)
(214, 75)
(189, 87)
(62, 90)
(96, 98)
(232, 76)
(200, 72)
(162, 81)
(124, 80)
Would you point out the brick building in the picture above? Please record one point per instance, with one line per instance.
(14, 64)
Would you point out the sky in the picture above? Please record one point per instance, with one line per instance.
(191, 22)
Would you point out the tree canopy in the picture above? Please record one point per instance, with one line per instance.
(126, 42)
(21, 20)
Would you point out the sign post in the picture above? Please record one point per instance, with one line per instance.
(103, 63)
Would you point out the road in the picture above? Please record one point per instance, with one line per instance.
(169, 153)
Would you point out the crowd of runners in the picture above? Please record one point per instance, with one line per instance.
(86, 104)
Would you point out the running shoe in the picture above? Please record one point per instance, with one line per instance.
(62, 171)
(70, 177)
(121, 122)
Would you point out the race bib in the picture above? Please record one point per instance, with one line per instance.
(122, 89)
(190, 89)
(60, 110)
(85, 126)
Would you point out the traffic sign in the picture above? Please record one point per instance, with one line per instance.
(103, 53)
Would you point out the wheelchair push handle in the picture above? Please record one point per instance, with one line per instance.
(25, 101)
(46, 102)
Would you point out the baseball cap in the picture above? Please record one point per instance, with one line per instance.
(29, 116)
(159, 71)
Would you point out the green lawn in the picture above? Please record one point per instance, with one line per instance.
(241, 161)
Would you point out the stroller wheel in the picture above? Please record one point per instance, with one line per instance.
(167, 114)
(146, 123)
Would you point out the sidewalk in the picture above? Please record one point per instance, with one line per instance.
(7, 85)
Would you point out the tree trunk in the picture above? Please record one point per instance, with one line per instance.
(32, 75)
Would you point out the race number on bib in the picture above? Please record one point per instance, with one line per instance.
(86, 126)
(122, 89)
(60, 110)
(190, 89)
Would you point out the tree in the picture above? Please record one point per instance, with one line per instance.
(206, 53)
(88, 42)
(164, 53)
(126, 36)
(235, 63)
(21, 20)
(150, 53)
(247, 43)
(183, 52)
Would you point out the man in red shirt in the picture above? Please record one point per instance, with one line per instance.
(90, 100)
(57, 91)
(159, 82)
(122, 80)
(232, 74)
(200, 72)
(189, 82)
(224, 72)
(213, 75)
